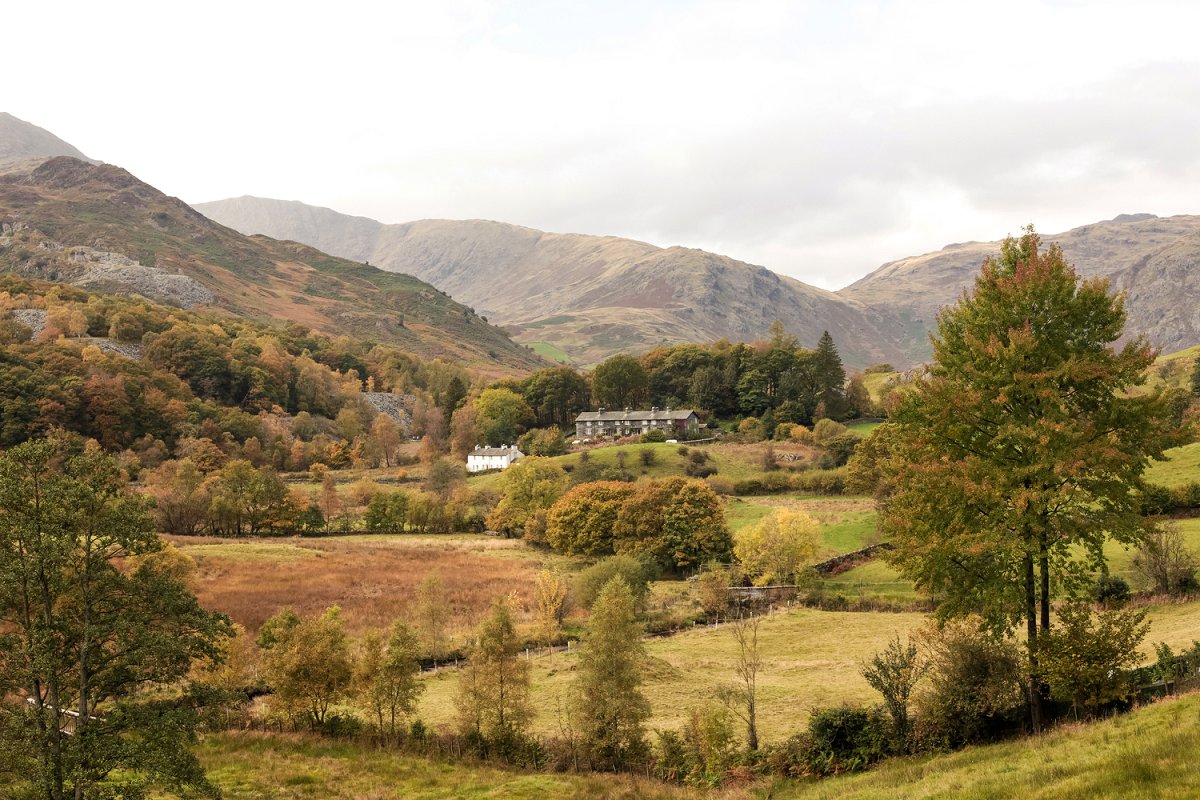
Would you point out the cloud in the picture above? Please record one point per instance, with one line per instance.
(818, 139)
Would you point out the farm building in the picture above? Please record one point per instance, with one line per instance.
(484, 458)
(591, 424)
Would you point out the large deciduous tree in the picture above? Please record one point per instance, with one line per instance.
(619, 382)
(93, 627)
(1018, 453)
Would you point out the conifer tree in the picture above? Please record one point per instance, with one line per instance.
(612, 709)
(1016, 457)
(830, 377)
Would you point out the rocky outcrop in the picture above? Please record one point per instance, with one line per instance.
(397, 406)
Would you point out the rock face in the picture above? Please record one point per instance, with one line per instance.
(591, 296)
(22, 142)
(1155, 260)
(397, 406)
(98, 226)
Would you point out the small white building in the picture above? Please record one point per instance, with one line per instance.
(485, 458)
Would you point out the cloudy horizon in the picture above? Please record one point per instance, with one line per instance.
(820, 140)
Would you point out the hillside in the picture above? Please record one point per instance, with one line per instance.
(590, 296)
(23, 143)
(100, 227)
(1153, 258)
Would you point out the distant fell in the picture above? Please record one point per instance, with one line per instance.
(23, 142)
(589, 296)
(97, 225)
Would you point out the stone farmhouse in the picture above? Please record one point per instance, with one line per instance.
(591, 424)
(485, 458)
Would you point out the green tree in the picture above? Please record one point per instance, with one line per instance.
(1087, 658)
(830, 378)
(619, 382)
(493, 697)
(90, 620)
(556, 395)
(894, 672)
(248, 501)
(307, 662)
(1018, 453)
(386, 676)
(387, 511)
(612, 708)
(502, 415)
(531, 485)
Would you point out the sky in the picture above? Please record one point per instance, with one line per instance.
(820, 139)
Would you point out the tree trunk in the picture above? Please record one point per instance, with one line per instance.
(1031, 629)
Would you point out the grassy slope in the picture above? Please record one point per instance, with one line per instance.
(1182, 466)
(267, 767)
(1149, 753)
(812, 659)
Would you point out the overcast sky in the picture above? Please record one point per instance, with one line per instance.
(819, 139)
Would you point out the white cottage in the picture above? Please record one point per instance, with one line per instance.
(484, 458)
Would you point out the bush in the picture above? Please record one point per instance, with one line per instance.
(655, 435)
(648, 457)
(637, 572)
(1155, 499)
(839, 739)
(826, 429)
(1086, 658)
(1111, 591)
(838, 449)
(973, 691)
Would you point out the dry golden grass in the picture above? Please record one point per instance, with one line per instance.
(372, 578)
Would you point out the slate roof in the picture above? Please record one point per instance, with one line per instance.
(496, 451)
(622, 416)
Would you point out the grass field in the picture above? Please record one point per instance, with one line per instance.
(250, 766)
(549, 351)
(863, 428)
(1150, 753)
(372, 578)
(1182, 466)
(811, 659)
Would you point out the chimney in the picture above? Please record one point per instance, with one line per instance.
(601, 410)
(654, 409)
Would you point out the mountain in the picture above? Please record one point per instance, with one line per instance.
(22, 143)
(1155, 260)
(589, 296)
(98, 226)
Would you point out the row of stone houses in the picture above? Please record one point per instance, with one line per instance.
(591, 424)
(595, 424)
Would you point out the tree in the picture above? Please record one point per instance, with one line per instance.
(712, 588)
(502, 416)
(432, 614)
(894, 673)
(307, 662)
(619, 382)
(1164, 561)
(531, 485)
(89, 622)
(556, 395)
(581, 521)
(1195, 381)
(1017, 454)
(493, 699)
(776, 549)
(386, 434)
(181, 497)
(830, 378)
(550, 596)
(386, 676)
(612, 709)
(742, 698)
(465, 434)
(679, 523)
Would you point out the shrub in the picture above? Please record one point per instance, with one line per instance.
(826, 429)
(637, 572)
(894, 673)
(1111, 591)
(655, 435)
(648, 457)
(802, 435)
(1085, 659)
(973, 690)
(841, 739)
(1155, 499)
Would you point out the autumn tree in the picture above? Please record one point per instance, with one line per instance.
(550, 599)
(581, 521)
(530, 486)
(386, 676)
(612, 708)
(90, 621)
(307, 663)
(677, 522)
(181, 497)
(1017, 454)
(493, 695)
(432, 614)
(387, 435)
(776, 549)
